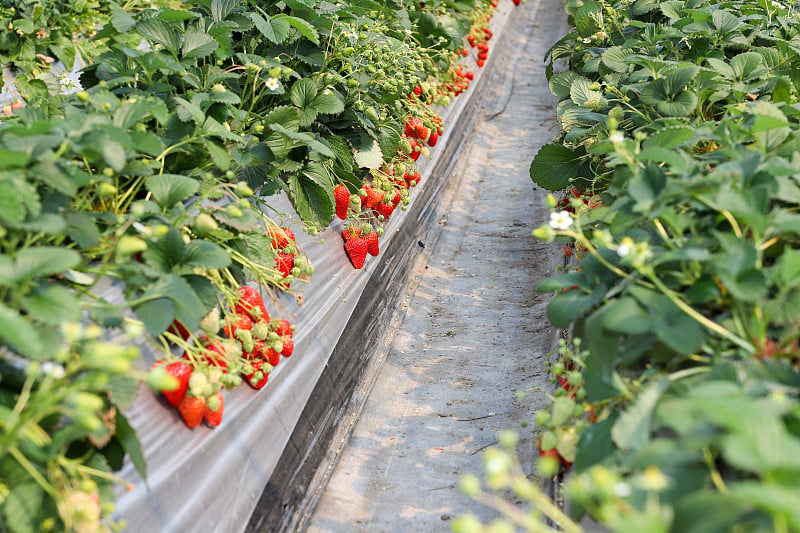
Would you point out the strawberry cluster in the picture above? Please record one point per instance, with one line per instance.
(480, 34)
(247, 344)
(289, 262)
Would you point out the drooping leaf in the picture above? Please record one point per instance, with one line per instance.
(554, 166)
(169, 189)
(631, 431)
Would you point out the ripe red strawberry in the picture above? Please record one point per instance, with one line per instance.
(417, 90)
(350, 231)
(284, 264)
(414, 149)
(214, 417)
(481, 62)
(385, 208)
(356, 249)
(288, 347)
(257, 352)
(422, 131)
(483, 55)
(177, 328)
(182, 371)
(433, 139)
(342, 197)
(214, 354)
(372, 243)
(412, 123)
(192, 409)
(254, 379)
(283, 328)
(373, 197)
(470, 75)
(251, 304)
(281, 237)
(235, 323)
(273, 357)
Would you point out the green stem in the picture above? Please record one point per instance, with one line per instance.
(689, 310)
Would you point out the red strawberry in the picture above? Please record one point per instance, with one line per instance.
(284, 264)
(273, 357)
(373, 197)
(283, 328)
(483, 55)
(356, 249)
(470, 75)
(433, 139)
(372, 243)
(214, 417)
(412, 123)
(385, 208)
(350, 231)
(257, 352)
(288, 347)
(418, 90)
(235, 323)
(192, 409)
(279, 237)
(182, 371)
(397, 198)
(421, 131)
(258, 378)
(414, 149)
(177, 328)
(481, 62)
(342, 196)
(250, 303)
(214, 354)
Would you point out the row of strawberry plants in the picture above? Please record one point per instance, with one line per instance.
(154, 180)
(677, 397)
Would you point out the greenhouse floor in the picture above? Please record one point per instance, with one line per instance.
(471, 332)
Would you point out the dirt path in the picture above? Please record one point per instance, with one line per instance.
(472, 332)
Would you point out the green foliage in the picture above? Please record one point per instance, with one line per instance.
(678, 151)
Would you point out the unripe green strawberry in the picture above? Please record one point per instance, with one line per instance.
(210, 323)
(106, 190)
(372, 114)
(204, 224)
(127, 246)
(261, 329)
(243, 190)
(199, 384)
(234, 211)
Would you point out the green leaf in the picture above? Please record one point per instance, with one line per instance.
(327, 104)
(220, 9)
(189, 111)
(82, 229)
(669, 137)
(214, 128)
(303, 92)
(568, 306)
(52, 304)
(219, 154)
(169, 189)
(113, 154)
(160, 32)
(198, 44)
(44, 261)
(275, 30)
(625, 315)
(580, 93)
(130, 442)
(22, 507)
(123, 390)
(554, 166)
(645, 186)
(19, 334)
(594, 445)
(614, 58)
(372, 158)
(132, 111)
(156, 314)
(631, 431)
(311, 192)
(122, 21)
(205, 254)
(305, 29)
(561, 83)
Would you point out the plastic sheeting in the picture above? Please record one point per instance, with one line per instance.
(205, 479)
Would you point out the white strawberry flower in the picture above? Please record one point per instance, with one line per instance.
(560, 220)
(273, 84)
(625, 247)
